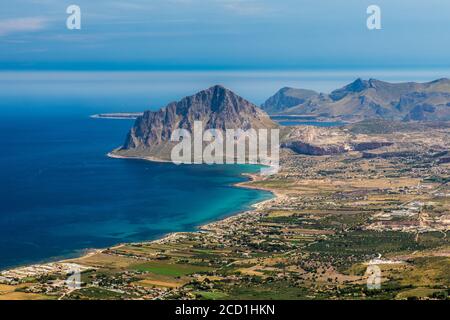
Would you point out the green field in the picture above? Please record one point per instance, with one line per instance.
(169, 268)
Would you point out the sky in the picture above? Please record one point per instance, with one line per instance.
(223, 35)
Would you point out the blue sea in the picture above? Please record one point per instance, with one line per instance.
(59, 192)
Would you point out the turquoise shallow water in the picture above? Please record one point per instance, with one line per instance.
(60, 194)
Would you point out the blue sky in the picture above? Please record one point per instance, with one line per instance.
(224, 34)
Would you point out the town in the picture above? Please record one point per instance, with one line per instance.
(331, 217)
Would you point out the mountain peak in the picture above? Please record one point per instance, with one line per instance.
(216, 107)
(288, 97)
(359, 85)
(441, 80)
(217, 87)
(356, 86)
(214, 99)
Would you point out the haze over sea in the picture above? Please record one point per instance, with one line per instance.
(59, 192)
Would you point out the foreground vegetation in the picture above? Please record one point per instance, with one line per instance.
(332, 217)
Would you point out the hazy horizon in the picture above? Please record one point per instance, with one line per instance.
(50, 92)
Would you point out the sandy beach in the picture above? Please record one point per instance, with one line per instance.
(57, 266)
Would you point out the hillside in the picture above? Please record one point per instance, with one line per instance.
(216, 107)
(375, 99)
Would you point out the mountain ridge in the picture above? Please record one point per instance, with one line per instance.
(287, 97)
(374, 99)
(216, 107)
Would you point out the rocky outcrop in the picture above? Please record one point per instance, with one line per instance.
(329, 141)
(216, 107)
(301, 147)
(287, 98)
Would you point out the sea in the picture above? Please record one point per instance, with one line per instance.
(60, 195)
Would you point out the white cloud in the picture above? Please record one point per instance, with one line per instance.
(30, 24)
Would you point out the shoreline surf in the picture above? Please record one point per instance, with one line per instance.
(204, 226)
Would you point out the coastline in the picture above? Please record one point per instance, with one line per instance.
(203, 227)
(152, 159)
(69, 263)
(118, 115)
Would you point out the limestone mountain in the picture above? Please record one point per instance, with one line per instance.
(287, 98)
(375, 99)
(216, 107)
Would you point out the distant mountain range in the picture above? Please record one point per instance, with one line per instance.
(220, 108)
(287, 98)
(368, 99)
(217, 108)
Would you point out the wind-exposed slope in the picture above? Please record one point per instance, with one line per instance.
(216, 107)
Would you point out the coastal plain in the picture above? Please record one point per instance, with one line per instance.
(337, 209)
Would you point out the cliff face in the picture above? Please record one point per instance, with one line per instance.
(374, 99)
(217, 108)
(331, 141)
(302, 147)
